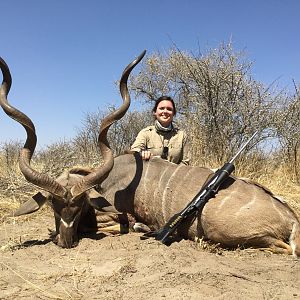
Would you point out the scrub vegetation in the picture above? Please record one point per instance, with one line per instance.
(220, 105)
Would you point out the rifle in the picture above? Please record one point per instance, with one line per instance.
(207, 192)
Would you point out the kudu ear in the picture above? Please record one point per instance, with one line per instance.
(99, 202)
(30, 206)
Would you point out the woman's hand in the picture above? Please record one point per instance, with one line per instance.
(146, 154)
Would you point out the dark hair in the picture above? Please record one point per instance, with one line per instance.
(162, 98)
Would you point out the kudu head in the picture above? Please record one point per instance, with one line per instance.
(67, 195)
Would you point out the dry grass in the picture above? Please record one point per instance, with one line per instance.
(14, 189)
(276, 177)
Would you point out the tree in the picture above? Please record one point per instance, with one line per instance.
(288, 130)
(216, 97)
(120, 135)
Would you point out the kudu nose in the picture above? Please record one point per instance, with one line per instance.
(67, 238)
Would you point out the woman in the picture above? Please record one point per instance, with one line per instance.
(163, 139)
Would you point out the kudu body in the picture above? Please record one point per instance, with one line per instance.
(242, 213)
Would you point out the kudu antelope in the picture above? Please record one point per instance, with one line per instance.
(242, 213)
(72, 195)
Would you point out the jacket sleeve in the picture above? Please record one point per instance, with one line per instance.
(185, 150)
(140, 141)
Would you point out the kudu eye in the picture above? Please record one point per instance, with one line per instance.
(57, 204)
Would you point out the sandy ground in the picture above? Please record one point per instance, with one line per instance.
(125, 267)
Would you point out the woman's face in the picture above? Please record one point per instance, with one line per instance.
(164, 113)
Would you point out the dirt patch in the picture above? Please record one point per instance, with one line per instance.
(125, 267)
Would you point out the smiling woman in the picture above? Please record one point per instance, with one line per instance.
(163, 138)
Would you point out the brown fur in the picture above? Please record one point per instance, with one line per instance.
(242, 214)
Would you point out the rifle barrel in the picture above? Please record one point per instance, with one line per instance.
(243, 147)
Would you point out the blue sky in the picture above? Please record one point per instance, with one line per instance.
(65, 55)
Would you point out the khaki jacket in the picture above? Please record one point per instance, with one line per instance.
(175, 140)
